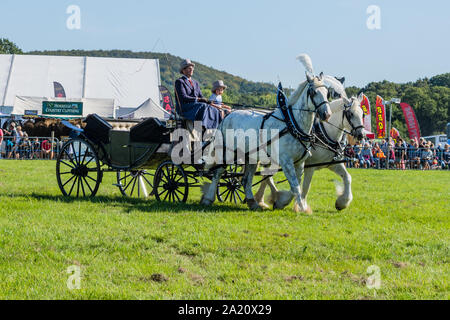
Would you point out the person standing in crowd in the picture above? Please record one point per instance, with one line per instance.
(379, 157)
(36, 148)
(446, 157)
(399, 155)
(11, 143)
(190, 101)
(427, 156)
(1, 142)
(350, 156)
(366, 156)
(25, 147)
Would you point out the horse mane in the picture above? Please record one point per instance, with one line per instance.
(293, 98)
(335, 104)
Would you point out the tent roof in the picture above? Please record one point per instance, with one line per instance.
(148, 109)
(127, 81)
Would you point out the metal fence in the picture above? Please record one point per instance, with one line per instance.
(400, 158)
(30, 148)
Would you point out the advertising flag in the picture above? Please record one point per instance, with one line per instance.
(395, 134)
(380, 117)
(365, 106)
(411, 121)
(166, 99)
(59, 90)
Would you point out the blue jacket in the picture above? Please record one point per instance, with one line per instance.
(185, 93)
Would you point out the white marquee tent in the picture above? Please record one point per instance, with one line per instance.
(128, 82)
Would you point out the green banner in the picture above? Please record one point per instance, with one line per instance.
(55, 108)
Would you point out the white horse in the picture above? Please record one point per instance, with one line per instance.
(347, 117)
(310, 98)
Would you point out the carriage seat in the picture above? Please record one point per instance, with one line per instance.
(122, 126)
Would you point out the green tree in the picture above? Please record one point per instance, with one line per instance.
(8, 47)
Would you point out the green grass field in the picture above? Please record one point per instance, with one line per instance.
(136, 249)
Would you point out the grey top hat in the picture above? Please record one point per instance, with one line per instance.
(185, 63)
(218, 84)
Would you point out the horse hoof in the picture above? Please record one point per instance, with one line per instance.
(277, 206)
(206, 202)
(263, 206)
(339, 207)
(297, 209)
(253, 205)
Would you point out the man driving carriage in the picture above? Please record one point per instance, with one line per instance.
(190, 101)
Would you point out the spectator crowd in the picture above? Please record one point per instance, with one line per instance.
(15, 144)
(417, 154)
(399, 155)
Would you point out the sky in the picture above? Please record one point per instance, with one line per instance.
(255, 39)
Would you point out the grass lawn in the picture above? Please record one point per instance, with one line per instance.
(136, 249)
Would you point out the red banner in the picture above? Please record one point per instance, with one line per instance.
(365, 106)
(411, 121)
(381, 118)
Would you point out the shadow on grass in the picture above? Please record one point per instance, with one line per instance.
(132, 204)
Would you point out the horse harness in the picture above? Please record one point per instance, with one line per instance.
(338, 147)
(292, 127)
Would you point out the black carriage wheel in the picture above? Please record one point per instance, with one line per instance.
(78, 169)
(230, 187)
(135, 183)
(171, 183)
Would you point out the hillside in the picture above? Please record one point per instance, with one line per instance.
(430, 98)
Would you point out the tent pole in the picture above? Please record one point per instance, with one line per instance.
(84, 77)
(9, 78)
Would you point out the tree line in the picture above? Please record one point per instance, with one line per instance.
(430, 98)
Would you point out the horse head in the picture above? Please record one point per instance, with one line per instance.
(354, 116)
(318, 97)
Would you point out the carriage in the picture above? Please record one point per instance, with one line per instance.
(143, 147)
(138, 152)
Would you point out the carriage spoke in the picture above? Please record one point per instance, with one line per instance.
(181, 193)
(239, 196)
(70, 157)
(223, 192)
(139, 185)
(134, 185)
(168, 193)
(87, 163)
(63, 162)
(68, 181)
(72, 144)
(124, 177)
(162, 192)
(82, 187)
(91, 178)
(73, 185)
(78, 186)
(234, 197)
(228, 194)
(177, 197)
(147, 180)
(88, 185)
